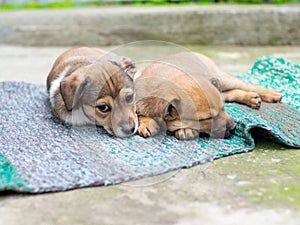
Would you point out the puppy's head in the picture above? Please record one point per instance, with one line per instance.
(200, 107)
(184, 92)
(103, 93)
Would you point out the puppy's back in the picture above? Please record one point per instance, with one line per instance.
(185, 76)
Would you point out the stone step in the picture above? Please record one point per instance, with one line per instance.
(114, 25)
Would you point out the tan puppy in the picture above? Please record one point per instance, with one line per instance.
(89, 86)
(184, 93)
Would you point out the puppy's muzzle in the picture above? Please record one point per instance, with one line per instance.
(124, 130)
(227, 133)
(129, 129)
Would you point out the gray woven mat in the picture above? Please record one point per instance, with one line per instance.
(39, 154)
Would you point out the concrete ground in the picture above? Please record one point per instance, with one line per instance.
(260, 187)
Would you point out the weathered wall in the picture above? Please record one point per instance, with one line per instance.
(221, 25)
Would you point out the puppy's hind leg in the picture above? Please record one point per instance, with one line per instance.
(251, 99)
(268, 95)
(229, 82)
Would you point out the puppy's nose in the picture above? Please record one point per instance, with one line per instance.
(129, 130)
(132, 129)
(230, 131)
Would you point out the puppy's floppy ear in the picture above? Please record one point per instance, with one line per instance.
(126, 64)
(216, 83)
(171, 110)
(72, 89)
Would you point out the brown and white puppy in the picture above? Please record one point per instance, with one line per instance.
(184, 93)
(88, 86)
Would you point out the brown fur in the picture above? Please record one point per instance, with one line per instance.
(83, 81)
(185, 93)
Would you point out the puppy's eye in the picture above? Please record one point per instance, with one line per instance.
(104, 108)
(129, 98)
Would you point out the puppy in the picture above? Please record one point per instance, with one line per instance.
(184, 93)
(88, 86)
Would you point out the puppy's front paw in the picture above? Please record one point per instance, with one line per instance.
(270, 95)
(186, 134)
(147, 127)
(253, 100)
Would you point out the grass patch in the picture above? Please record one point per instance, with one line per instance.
(70, 4)
(51, 5)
